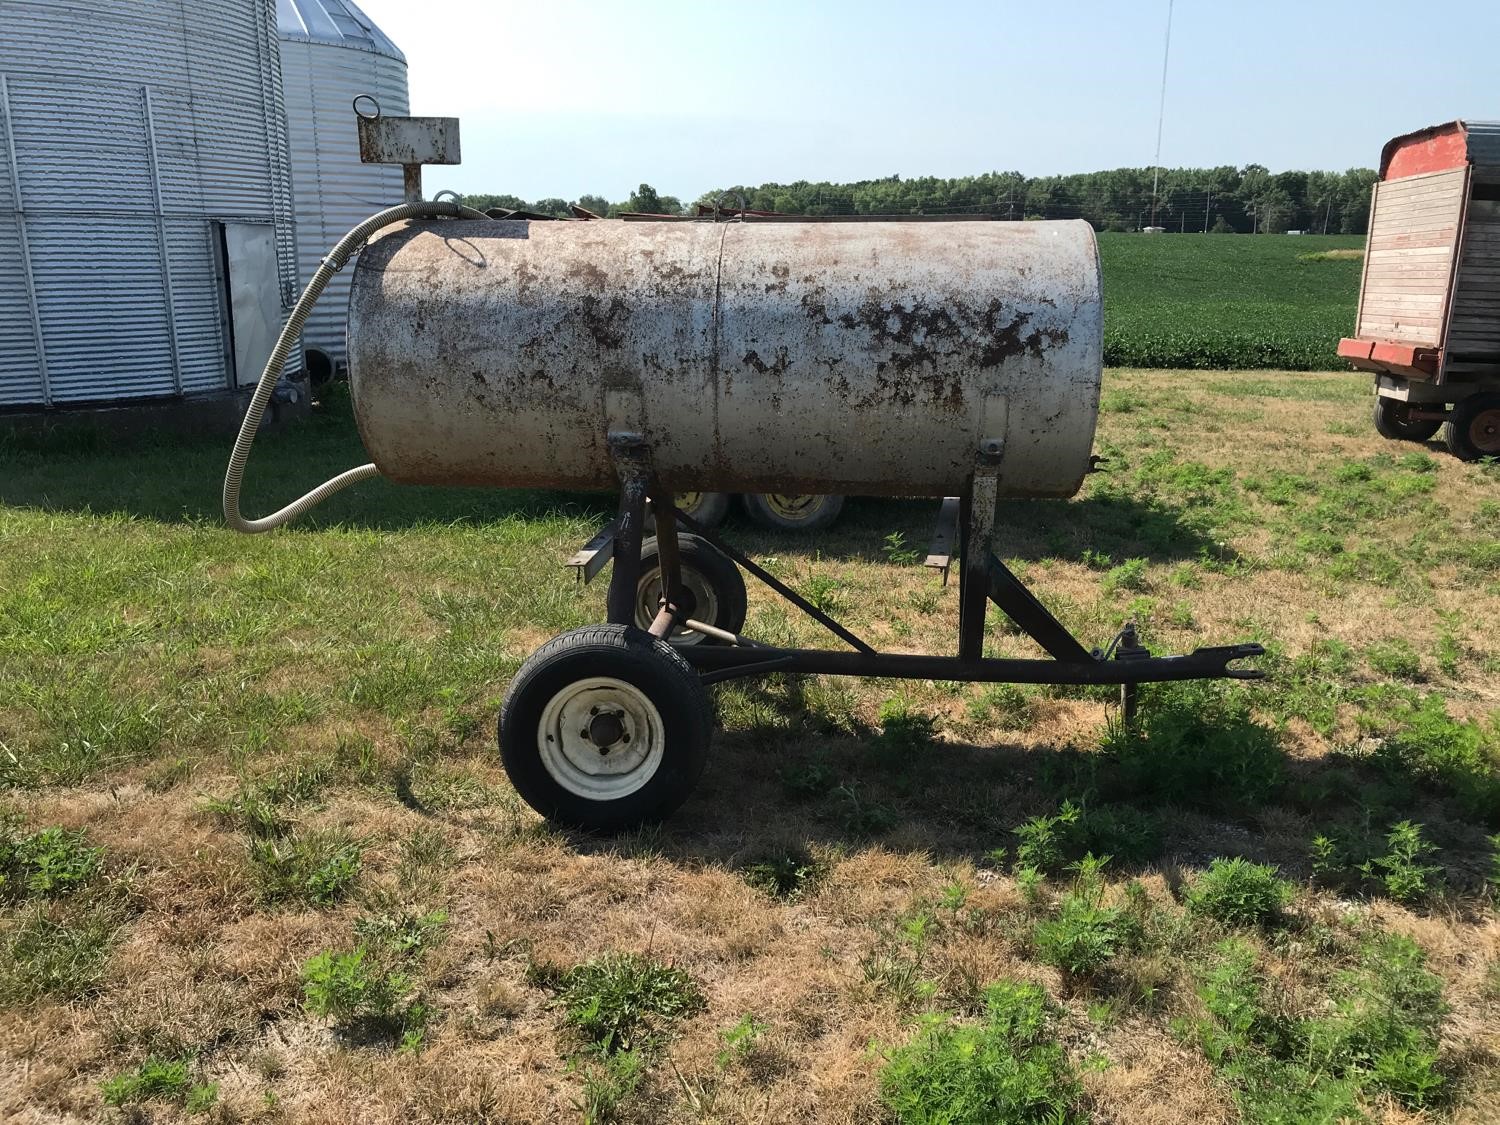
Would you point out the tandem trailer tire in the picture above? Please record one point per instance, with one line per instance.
(1393, 420)
(605, 728)
(1474, 427)
(792, 513)
(716, 586)
(707, 509)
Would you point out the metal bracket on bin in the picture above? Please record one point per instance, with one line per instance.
(408, 141)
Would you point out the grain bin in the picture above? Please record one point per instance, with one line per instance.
(146, 238)
(332, 53)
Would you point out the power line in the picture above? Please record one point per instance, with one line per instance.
(1161, 111)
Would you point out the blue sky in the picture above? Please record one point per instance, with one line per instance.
(558, 100)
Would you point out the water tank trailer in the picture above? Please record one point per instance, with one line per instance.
(953, 359)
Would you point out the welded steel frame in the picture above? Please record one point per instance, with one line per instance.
(983, 579)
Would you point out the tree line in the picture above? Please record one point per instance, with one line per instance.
(1224, 200)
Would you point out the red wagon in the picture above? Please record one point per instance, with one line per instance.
(1429, 304)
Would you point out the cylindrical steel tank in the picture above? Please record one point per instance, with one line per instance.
(866, 358)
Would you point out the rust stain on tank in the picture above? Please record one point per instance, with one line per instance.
(587, 273)
(605, 323)
(1007, 341)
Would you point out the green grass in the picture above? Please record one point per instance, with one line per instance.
(56, 951)
(317, 868)
(1227, 301)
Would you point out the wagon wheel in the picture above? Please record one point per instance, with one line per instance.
(707, 509)
(605, 728)
(1474, 428)
(712, 588)
(1393, 420)
(792, 513)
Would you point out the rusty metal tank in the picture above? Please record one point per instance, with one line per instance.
(866, 358)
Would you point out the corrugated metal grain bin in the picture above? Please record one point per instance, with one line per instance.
(332, 53)
(1429, 308)
(146, 239)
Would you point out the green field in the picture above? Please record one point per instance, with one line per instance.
(259, 862)
(1222, 301)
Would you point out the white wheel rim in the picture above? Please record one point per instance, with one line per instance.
(648, 602)
(578, 762)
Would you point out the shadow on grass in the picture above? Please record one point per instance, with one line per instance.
(1202, 779)
(180, 479)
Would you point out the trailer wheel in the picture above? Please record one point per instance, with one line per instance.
(1393, 420)
(705, 508)
(605, 728)
(714, 585)
(792, 513)
(1474, 428)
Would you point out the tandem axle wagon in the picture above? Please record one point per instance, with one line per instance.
(1428, 323)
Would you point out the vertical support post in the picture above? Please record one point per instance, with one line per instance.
(978, 531)
(15, 187)
(965, 505)
(666, 544)
(632, 463)
(161, 239)
(1129, 647)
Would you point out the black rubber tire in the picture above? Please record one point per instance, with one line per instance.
(813, 516)
(714, 569)
(1474, 427)
(1391, 421)
(639, 659)
(709, 511)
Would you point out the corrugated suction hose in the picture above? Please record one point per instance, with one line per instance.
(337, 258)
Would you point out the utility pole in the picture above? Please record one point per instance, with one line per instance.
(1161, 112)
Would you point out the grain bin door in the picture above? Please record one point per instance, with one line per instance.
(253, 297)
(1409, 258)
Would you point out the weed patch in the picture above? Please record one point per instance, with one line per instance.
(621, 1001)
(1196, 744)
(161, 1079)
(1381, 1036)
(787, 875)
(1237, 892)
(1009, 1067)
(46, 864)
(365, 997)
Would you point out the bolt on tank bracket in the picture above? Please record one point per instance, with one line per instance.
(408, 141)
